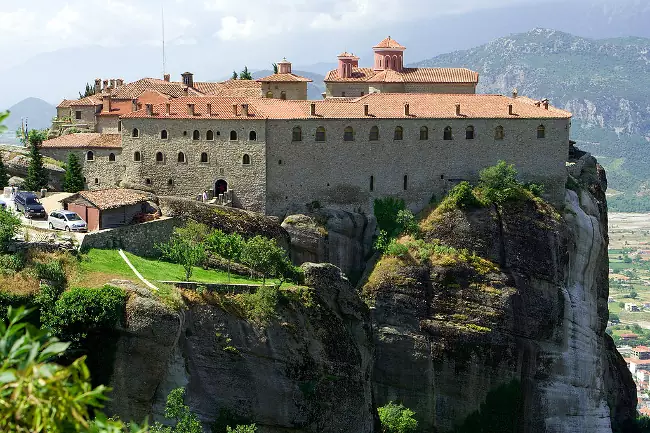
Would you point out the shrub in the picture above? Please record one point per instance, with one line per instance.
(386, 210)
(13, 262)
(186, 247)
(9, 225)
(461, 196)
(395, 418)
(263, 255)
(228, 246)
(242, 429)
(261, 305)
(406, 223)
(177, 411)
(51, 272)
(396, 249)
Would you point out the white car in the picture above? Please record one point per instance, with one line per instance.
(66, 220)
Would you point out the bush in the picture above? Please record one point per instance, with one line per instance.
(461, 196)
(80, 311)
(9, 225)
(177, 411)
(261, 305)
(395, 418)
(242, 429)
(13, 262)
(186, 247)
(263, 255)
(51, 272)
(396, 249)
(386, 210)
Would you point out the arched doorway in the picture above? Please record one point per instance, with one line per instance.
(220, 187)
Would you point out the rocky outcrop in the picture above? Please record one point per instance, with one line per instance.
(17, 167)
(332, 236)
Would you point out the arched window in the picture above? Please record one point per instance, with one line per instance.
(204, 157)
(160, 157)
(111, 157)
(163, 134)
(233, 135)
(252, 136)
(387, 62)
(399, 133)
(181, 157)
(90, 156)
(209, 135)
(135, 133)
(469, 133)
(447, 135)
(374, 134)
(424, 133)
(196, 135)
(269, 94)
(283, 95)
(499, 133)
(348, 134)
(320, 133)
(296, 134)
(541, 131)
(96, 181)
(137, 156)
(246, 160)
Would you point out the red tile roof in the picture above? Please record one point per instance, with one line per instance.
(123, 106)
(284, 78)
(380, 105)
(408, 75)
(389, 43)
(65, 103)
(642, 349)
(85, 140)
(231, 88)
(136, 88)
(346, 54)
(88, 101)
(104, 199)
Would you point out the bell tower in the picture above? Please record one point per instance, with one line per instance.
(389, 54)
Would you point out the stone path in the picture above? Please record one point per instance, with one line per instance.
(137, 274)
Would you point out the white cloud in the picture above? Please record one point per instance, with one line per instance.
(63, 21)
(232, 28)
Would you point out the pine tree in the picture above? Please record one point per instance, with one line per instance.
(89, 91)
(37, 177)
(245, 74)
(275, 68)
(73, 181)
(4, 177)
(234, 75)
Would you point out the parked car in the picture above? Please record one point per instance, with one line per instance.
(28, 204)
(66, 220)
(3, 205)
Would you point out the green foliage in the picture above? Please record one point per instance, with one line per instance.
(245, 74)
(395, 418)
(52, 272)
(397, 249)
(386, 211)
(499, 183)
(80, 311)
(3, 116)
(613, 317)
(275, 68)
(11, 263)
(9, 226)
(501, 413)
(242, 429)
(4, 176)
(262, 304)
(186, 247)
(264, 256)
(462, 196)
(234, 75)
(229, 246)
(37, 177)
(73, 180)
(89, 91)
(633, 294)
(177, 411)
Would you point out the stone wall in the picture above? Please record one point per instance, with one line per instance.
(350, 89)
(338, 174)
(100, 173)
(295, 91)
(87, 116)
(138, 239)
(364, 88)
(192, 177)
(108, 124)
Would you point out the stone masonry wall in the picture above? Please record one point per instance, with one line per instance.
(108, 124)
(87, 116)
(350, 89)
(338, 173)
(192, 177)
(99, 173)
(295, 91)
(359, 89)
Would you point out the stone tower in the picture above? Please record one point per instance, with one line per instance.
(389, 55)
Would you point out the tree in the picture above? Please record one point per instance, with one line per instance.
(234, 75)
(264, 256)
(227, 246)
(73, 180)
(613, 317)
(395, 418)
(39, 395)
(186, 247)
(37, 177)
(245, 74)
(499, 183)
(89, 91)
(9, 225)
(242, 429)
(633, 294)
(275, 68)
(177, 411)
(4, 176)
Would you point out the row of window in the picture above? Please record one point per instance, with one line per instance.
(398, 133)
(160, 157)
(196, 134)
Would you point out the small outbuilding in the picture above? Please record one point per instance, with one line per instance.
(107, 208)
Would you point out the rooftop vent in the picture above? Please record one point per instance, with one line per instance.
(313, 109)
(407, 109)
(457, 109)
(209, 109)
(510, 112)
(168, 108)
(366, 109)
(149, 109)
(234, 109)
(190, 109)
(244, 110)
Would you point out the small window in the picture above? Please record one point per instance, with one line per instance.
(85, 181)
(283, 95)
(541, 131)
(469, 133)
(233, 135)
(406, 182)
(447, 133)
(119, 126)
(269, 94)
(135, 133)
(77, 115)
(147, 181)
(424, 133)
(163, 134)
(96, 181)
(399, 133)
(320, 133)
(218, 133)
(209, 135)
(374, 134)
(499, 133)
(343, 94)
(184, 133)
(181, 157)
(90, 156)
(279, 162)
(296, 134)
(204, 157)
(170, 182)
(111, 157)
(246, 160)
(196, 135)
(348, 134)
(137, 156)
(363, 93)
(372, 183)
(160, 157)
(252, 136)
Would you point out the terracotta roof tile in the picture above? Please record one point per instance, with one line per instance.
(389, 43)
(136, 88)
(85, 140)
(123, 106)
(105, 199)
(346, 54)
(65, 103)
(408, 75)
(231, 88)
(222, 108)
(284, 78)
(87, 101)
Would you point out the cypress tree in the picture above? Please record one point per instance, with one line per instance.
(73, 181)
(37, 177)
(4, 177)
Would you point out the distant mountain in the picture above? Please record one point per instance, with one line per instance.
(605, 83)
(38, 112)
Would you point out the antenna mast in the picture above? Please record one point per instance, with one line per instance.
(164, 58)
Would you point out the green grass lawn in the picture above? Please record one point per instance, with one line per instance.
(109, 262)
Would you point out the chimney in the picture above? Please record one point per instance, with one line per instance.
(134, 105)
(113, 83)
(209, 110)
(98, 86)
(234, 109)
(167, 77)
(515, 93)
(168, 108)
(105, 84)
(190, 109)
(188, 79)
(313, 109)
(119, 82)
(185, 91)
(510, 112)
(366, 108)
(406, 109)
(457, 109)
(106, 108)
(545, 104)
(244, 110)
(149, 109)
